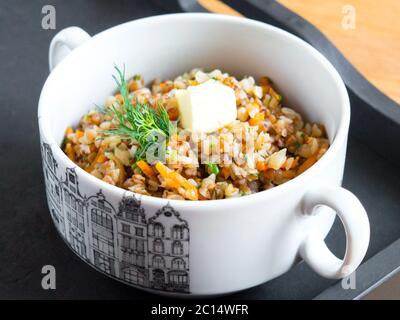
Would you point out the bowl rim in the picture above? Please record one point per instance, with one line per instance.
(337, 140)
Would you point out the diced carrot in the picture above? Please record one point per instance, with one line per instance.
(181, 180)
(169, 183)
(147, 170)
(166, 86)
(226, 172)
(70, 151)
(167, 173)
(163, 170)
(307, 164)
(91, 166)
(79, 134)
(261, 166)
(192, 194)
(68, 131)
(221, 145)
(173, 114)
(101, 158)
(193, 82)
(258, 118)
(95, 119)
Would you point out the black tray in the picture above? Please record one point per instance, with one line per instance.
(28, 240)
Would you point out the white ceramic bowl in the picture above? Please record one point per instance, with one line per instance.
(208, 247)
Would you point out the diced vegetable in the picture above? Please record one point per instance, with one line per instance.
(99, 159)
(226, 172)
(264, 143)
(307, 164)
(167, 173)
(277, 159)
(213, 168)
(261, 166)
(147, 170)
(68, 131)
(70, 151)
(257, 119)
(79, 134)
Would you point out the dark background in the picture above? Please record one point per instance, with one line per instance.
(28, 239)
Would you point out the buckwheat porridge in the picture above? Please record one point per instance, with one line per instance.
(200, 136)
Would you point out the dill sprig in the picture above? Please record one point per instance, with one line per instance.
(140, 122)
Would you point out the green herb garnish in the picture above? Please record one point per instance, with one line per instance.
(137, 77)
(139, 122)
(213, 168)
(100, 109)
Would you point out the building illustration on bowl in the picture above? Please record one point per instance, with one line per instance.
(53, 188)
(133, 245)
(168, 250)
(74, 212)
(102, 235)
(121, 241)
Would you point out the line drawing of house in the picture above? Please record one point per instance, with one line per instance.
(152, 253)
(53, 187)
(74, 211)
(168, 251)
(102, 235)
(132, 239)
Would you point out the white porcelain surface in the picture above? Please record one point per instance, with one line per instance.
(227, 245)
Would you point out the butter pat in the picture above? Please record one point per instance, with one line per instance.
(207, 106)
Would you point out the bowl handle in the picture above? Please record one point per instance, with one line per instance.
(64, 42)
(356, 225)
